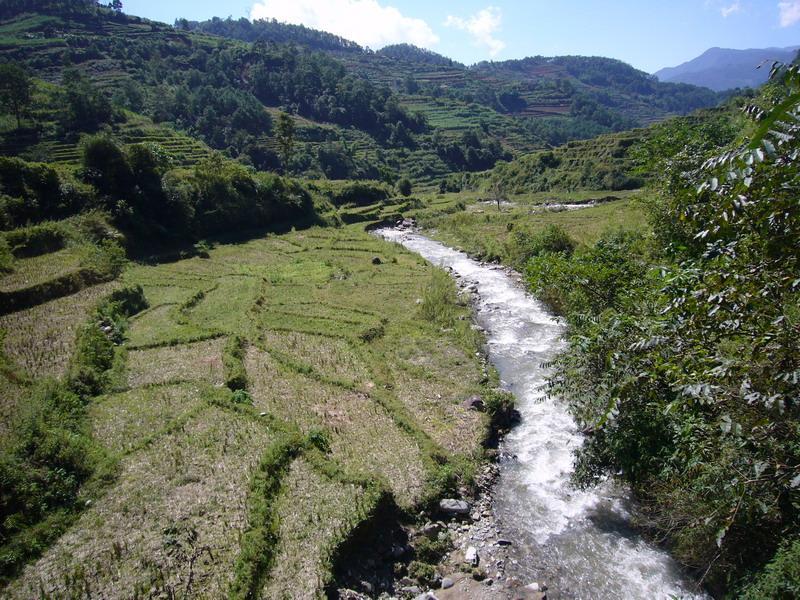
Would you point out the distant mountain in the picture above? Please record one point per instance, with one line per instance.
(724, 69)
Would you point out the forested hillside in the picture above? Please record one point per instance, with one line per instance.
(351, 113)
(555, 98)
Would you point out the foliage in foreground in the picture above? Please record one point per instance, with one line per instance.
(684, 361)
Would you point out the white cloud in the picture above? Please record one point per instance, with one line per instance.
(727, 11)
(790, 12)
(482, 26)
(362, 21)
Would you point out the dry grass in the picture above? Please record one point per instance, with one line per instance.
(200, 361)
(226, 306)
(303, 302)
(124, 421)
(40, 340)
(329, 357)
(362, 434)
(160, 326)
(432, 379)
(315, 514)
(38, 269)
(169, 528)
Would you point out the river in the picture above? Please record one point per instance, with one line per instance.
(579, 541)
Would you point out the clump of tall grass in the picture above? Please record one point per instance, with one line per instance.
(439, 300)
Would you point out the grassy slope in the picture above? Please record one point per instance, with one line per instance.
(333, 344)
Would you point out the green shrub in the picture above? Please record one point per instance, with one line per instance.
(259, 541)
(106, 259)
(501, 408)
(106, 167)
(50, 455)
(319, 439)
(780, 579)
(683, 357)
(431, 551)
(592, 279)
(439, 300)
(422, 572)
(233, 363)
(524, 245)
(359, 193)
(35, 240)
(6, 257)
(242, 397)
(404, 187)
(47, 458)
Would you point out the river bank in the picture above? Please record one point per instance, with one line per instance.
(577, 542)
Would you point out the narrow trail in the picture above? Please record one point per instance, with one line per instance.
(579, 542)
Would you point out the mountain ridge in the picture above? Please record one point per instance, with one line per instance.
(723, 69)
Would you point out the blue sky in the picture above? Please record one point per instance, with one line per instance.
(648, 34)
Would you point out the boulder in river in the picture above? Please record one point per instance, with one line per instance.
(451, 506)
(474, 403)
(471, 556)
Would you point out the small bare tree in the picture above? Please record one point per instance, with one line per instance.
(498, 191)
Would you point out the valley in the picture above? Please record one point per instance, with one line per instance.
(282, 316)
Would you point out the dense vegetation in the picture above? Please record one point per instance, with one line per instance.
(683, 360)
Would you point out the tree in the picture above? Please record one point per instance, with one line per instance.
(15, 90)
(285, 135)
(404, 186)
(85, 108)
(498, 190)
(116, 5)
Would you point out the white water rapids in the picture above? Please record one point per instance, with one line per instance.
(580, 541)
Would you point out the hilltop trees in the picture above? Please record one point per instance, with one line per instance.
(85, 108)
(136, 185)
(16, 89)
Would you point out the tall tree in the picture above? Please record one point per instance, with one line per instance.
(16, 90)
(285, 134)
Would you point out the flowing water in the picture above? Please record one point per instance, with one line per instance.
(579, 540)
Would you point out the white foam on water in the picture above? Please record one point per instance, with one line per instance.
(586, 530)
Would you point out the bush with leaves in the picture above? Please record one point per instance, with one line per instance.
(525, 244)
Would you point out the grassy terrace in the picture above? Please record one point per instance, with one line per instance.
(272, 397)
(482, 230)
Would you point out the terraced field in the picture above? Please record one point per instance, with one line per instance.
(274, 397)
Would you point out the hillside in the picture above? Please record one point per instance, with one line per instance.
(357, 114)
(593, 94)
(724, 68)
(611, 162)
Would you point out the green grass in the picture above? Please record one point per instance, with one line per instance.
(485, 232)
